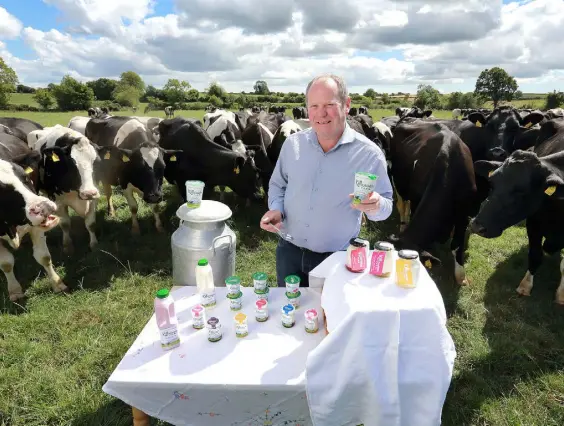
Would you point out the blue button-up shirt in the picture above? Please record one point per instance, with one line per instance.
(311, 188)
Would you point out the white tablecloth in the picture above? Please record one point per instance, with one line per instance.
(388, 358)
(255, 380)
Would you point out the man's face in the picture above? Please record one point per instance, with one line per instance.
(326, 113)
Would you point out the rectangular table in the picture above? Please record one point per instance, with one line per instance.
(255, 380)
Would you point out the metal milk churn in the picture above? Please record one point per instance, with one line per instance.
(203, 233)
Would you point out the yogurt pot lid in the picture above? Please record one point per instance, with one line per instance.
(209, 211)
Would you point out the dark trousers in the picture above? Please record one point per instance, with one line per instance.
(294, 260)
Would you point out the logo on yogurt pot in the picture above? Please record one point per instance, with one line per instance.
(363, 185)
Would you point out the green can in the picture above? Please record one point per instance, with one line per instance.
(262, 294)
(260, 281)
(294, 298)
(235, 301)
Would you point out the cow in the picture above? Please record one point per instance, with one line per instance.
(23, 212)
(432, 172)
(210, 117)
(299, 112)
(241, 119)
(456, 114)
(79, 123)
(152, 125)
(529, 185)
(281, 134)
(400, 111)
(129, 159)
(20, 134)
(363, 110)
(20, 126)
(353, 111)
(134, 109)
(203, 159)
(68, 160)
(555, 113)
(223, 128)
(258, 137)
(169, 111)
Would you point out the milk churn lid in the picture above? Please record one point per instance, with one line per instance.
(209, 211)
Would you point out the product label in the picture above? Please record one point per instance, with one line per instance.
(194, 196)
(207, 298)
(214, 333)
(358, 259)
(235, 304)
(261, 314)
(198, 322)
(169, 337)
(241, 329)
(311, 325)
(404, 274)
(287, 320)
(377, 263)
(260, 285)
(233, 288)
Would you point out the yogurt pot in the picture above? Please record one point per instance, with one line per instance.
(288, 318)
(262, 294)
(293, 298)
(363, 185)
(292, 283)
(194, 193)
(261, 310)
(198, 317)
(311, 321)
(235, 301)
(241, 325)
(260, 281)
(233, 284)
(214, 330)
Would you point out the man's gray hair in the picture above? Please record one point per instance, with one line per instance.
(342, 92)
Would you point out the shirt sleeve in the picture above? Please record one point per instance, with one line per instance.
(384, 188)
(279, 181)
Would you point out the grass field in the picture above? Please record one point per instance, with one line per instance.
(56, 351)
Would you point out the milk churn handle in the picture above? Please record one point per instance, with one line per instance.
(220, 237)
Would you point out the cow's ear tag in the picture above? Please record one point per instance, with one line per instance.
(55, 157)
(107, 156)
(236, 170)
(490, 173)
(173, 158)
(478, 124)
(529, 124)
(124, 158)
(550, 190)
(428, 264)
(28, 170)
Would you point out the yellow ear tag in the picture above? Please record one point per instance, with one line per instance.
(55, 157)
(28, 170)
(173, 158)
(528, 125)
(124, 158)
(107, 156)
(550, 190)
(428, 264)
(478, 124)
(236, 170)
(490, 173)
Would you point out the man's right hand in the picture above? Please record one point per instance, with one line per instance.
(271, 221)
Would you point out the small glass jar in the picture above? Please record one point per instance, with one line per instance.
(235, 301)
(260, 281)
(262, 294)
(407, 268)
(233, 284)
(214, 330)
(294, 298)
(198, 317)
(288, 318)
(241, 325)
(382, 262)
(292, 283)
(311, 321)
(261, 310)
(357, 255)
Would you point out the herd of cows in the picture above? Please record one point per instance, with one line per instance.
(487, 171)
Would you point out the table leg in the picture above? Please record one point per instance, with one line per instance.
(139, 417)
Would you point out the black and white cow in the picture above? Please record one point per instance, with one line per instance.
(23, 212)
(20, 126)
(169, 111)
(363, 110)
(528, 185)
(228, 132)
(131, 160)
(152, 125)
(68, 159)
(284, 130)
(210, 117)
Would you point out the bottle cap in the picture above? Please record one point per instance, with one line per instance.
(162, 293)
(202, 262)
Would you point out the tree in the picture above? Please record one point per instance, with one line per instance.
(8, 81)
(385, 98)
(495, 84)
(44, 98)
(131, 78)
(193, 95)
(261, 88)
(455, 100)
(215, 101)
(216, 90)
(72, 95)
(176, 90)
(554, 100)
(370, 93)
(518, 95)
(427, 97)
(103, 88)
(127, 96)
(24, 89)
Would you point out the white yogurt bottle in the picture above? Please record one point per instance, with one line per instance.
(194, 193)
(363, 185)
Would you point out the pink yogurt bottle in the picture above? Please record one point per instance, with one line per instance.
(166, 320)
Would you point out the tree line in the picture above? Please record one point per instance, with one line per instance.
(129, 90)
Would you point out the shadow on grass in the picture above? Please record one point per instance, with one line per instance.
(526, 339)
(114, 413)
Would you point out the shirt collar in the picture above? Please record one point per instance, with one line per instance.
(348, 136)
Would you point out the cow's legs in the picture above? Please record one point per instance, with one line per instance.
(108, 193)
(15, 290)
(156, 211)
(404, 210)
(133, 207)
(90, 223)
(43, 257)
(560, 289)
(458, 247)
(535, 259)
(63, 213)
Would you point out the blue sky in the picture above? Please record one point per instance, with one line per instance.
(388, 46)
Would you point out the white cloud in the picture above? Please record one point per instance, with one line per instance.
(444, 42)
(10, 26)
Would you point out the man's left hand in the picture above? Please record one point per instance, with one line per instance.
(370, 204)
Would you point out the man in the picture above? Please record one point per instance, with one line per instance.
(310, 192)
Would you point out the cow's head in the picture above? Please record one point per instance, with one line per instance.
(246, 176)
(519, 186)
(21, 205)
(69, 166)
(503, 126)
